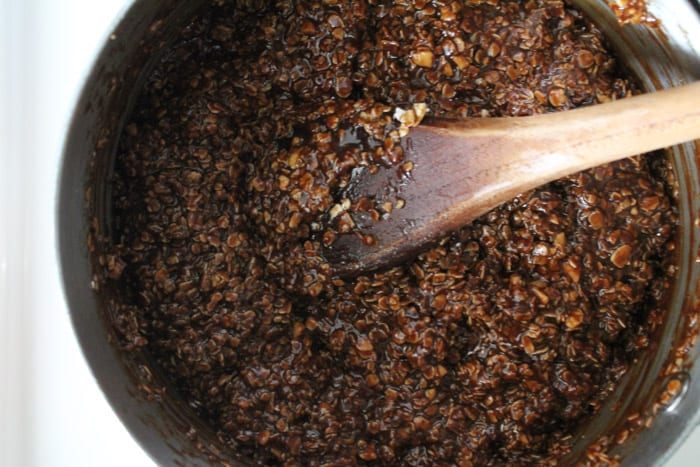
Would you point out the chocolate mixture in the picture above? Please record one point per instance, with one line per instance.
(492, 347)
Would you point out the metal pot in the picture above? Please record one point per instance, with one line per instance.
(664, 381)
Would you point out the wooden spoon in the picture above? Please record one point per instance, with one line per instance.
(461, 169)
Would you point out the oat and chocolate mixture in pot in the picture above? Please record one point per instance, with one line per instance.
(492, 347)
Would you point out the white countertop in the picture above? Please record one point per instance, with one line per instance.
(51, 410)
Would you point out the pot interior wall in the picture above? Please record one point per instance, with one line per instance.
(159, 420)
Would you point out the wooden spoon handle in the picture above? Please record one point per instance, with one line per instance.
(558, 144)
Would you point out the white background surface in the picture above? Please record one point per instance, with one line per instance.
(51, 411)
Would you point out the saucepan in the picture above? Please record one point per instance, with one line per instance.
(656, 404)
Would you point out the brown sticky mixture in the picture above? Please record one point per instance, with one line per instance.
(492, 347)
(632, 12)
